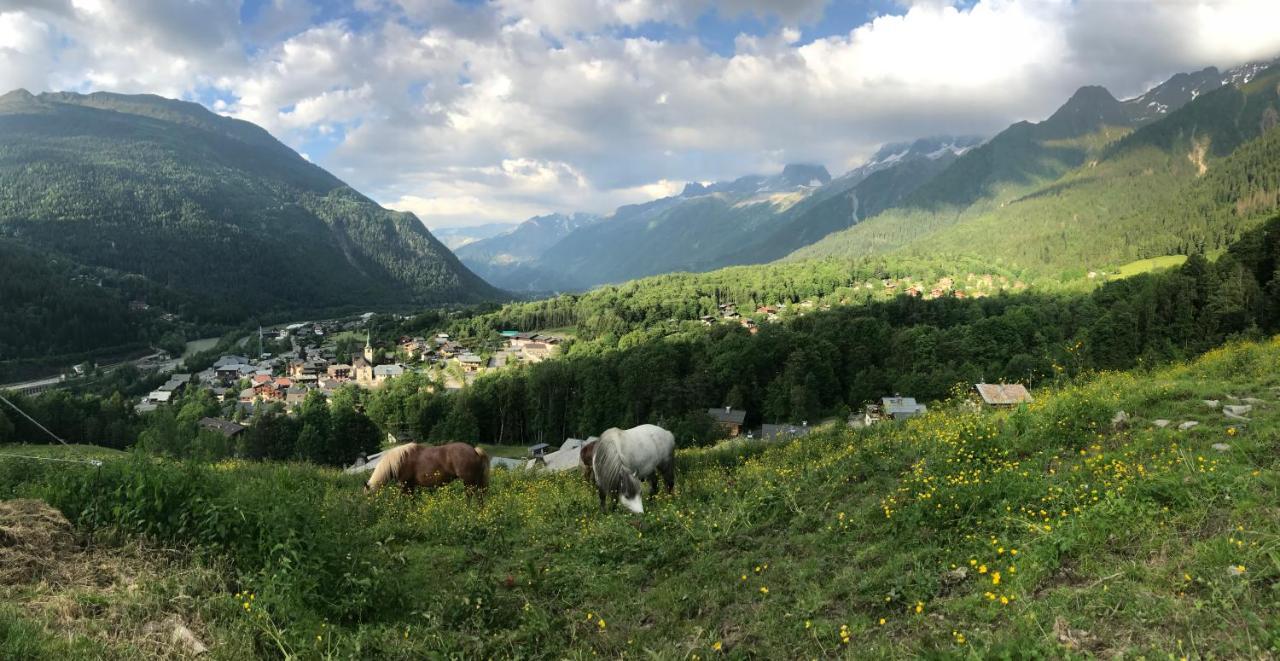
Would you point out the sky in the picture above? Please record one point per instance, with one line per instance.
(468, 112)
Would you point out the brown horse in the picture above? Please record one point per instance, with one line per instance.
(415, 465)
(586, 455)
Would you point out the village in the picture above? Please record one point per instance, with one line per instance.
(288, 378)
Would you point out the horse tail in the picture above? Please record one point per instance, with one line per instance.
(484, 458)
(388, 467)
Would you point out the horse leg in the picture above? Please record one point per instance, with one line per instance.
(669, 476)
(600, 492)
(653, 484)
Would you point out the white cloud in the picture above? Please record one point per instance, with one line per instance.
(503, 110)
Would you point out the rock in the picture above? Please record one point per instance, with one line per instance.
(1253, 401)
(1237, 409)
(1221, 447)
(955, 575)
(1187, 425)
(1161, 423)
(179, 635)
(1233, 416)
(1211, 403)
(1120, 421)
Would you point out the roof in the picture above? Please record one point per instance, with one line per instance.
(896, 405)
(774, 432)
(728, 415)
(1003, 394)
(225, 427)
(388, 370)
(160, 396)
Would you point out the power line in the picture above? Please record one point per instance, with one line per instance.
(91, 462)
(33, 420)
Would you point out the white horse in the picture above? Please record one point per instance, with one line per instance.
(622, 459)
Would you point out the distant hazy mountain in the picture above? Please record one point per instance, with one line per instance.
(456, 237)
(508, 259)
(214, 215)
(750, 219)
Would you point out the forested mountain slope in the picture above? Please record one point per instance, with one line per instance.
(225, 219)
(1192, 180)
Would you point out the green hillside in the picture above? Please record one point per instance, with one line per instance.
(214, 212)
(1191, 181)
(1047, 531)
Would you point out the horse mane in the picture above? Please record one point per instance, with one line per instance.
(607, 466)
(389, 465)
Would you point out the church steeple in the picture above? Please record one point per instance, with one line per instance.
(368, 348)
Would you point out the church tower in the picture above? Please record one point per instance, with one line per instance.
(368, 349)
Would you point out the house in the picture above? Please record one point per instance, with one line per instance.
(536, 352)
(227, 428)
(498, 360)
(729, 419)
(783, 431)
(519, 340)
(160, 397)
(766, 309)
(339, 372)
(1004, 395)
(469, 362)
(294, 396)
(707, 320)
(383, 372)
(900, 408)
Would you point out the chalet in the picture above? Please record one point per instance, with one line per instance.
(536, 352)
(766, 309)
(707, 319)
(1003, 395)
(383, 372)
(469, 362)
(900, 408)
(294, 396)
(783, 431)
(729, 419)
(259, 379)
(247, 395)
(519, 340)
(227, 428)
(268, 391)
(339, 372)
(160, 397)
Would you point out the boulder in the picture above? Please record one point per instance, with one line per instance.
(1237, 409)
(1187, 425)
(1211, 403)
(1221, 447)
(1254, 401)
(1161, 423)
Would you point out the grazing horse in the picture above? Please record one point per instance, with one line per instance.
(415, 465)
(622, 459)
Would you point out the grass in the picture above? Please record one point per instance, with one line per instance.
(1148, 265)
(1040, 532)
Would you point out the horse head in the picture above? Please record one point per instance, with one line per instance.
(629, 493)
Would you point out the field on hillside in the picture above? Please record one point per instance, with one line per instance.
(1048, 531)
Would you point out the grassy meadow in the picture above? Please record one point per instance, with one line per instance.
(1046, 531)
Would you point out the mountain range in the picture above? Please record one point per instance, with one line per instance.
(751, 219)
(1037, 195)
(209, 217)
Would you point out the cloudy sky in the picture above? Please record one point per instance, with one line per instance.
(469, 112)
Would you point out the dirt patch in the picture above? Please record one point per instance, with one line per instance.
(35, 541)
